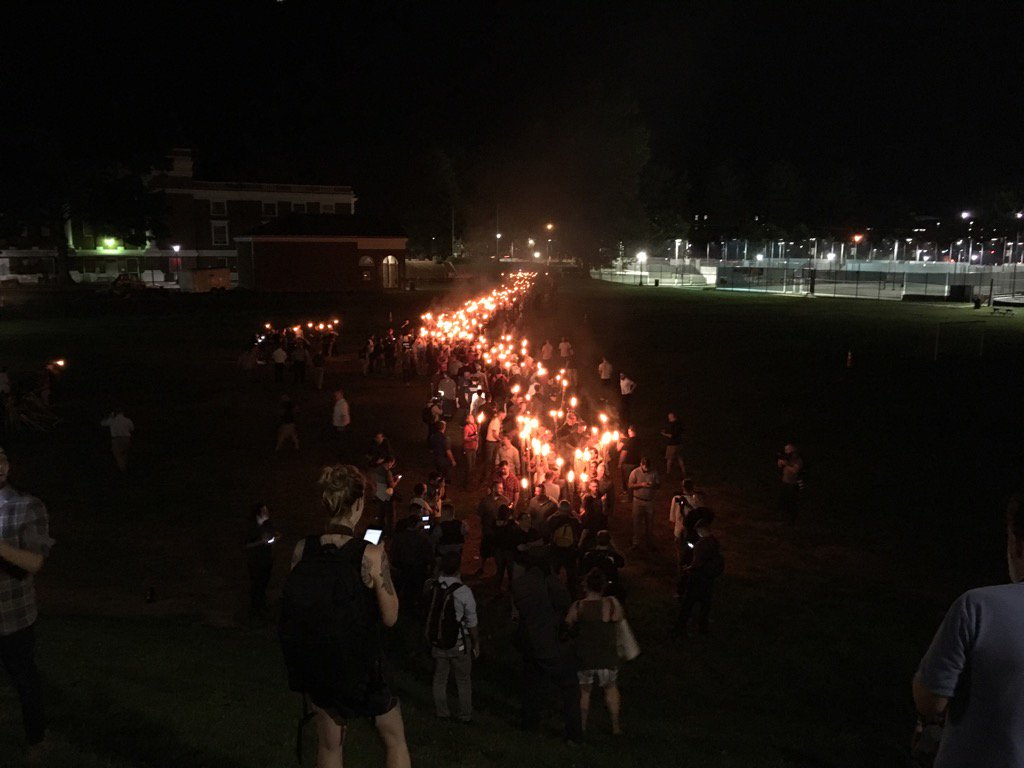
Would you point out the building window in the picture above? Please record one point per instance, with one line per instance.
(298, 207)
(326, 207)
(218, 207)
(270, 210)
(219, 232)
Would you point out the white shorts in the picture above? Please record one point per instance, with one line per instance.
(605, 677)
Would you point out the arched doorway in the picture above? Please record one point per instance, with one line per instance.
(390, 270)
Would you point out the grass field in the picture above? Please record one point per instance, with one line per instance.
(817, 626)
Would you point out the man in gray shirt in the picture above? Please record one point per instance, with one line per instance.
(643, 482)
(971, 675)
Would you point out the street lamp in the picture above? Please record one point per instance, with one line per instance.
(497, 244)
(641, 257)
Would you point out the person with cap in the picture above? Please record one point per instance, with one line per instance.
(643, 483)
(24, 545)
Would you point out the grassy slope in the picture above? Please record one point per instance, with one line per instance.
(817, 627)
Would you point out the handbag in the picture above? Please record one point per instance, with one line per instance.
(625, 642)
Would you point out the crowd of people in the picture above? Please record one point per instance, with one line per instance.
(553, 462)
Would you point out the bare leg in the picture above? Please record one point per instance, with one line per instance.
(330, 732)
(613, 702)
(392, 732)
(584, 704)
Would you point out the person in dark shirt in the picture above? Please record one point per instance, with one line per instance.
(441, 449)
(412, 554)
(608, 560)
(504, 539)
(379, 450)
(593, 519)
(286, 430)
(700, 576)
(673, 434)
(540, 604)
(487, 511)
(259, 556)
(562, 535)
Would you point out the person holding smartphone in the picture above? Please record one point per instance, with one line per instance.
(338, 598)
(384, 484)
(259, 557)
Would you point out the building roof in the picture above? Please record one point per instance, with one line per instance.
(170, 182)
(324, 226)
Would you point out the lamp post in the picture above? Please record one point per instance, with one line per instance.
(550, 227)
(641, 257)
(497, 245)
(1016, 241)
(966, 217)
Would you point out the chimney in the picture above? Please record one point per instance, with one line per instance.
(181, 163)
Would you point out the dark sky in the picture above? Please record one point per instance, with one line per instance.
(917, 105)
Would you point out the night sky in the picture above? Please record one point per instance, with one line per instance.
(878, 109)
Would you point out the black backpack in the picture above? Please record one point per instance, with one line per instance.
(443, 629)
(451, 532)
(330, 624)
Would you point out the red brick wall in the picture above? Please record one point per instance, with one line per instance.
(310, 266)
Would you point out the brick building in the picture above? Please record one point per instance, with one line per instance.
(201, 219)
(322, 252)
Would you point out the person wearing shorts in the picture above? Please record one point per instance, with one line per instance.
(596, 617)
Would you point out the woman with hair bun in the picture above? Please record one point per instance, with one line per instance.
(337, 600)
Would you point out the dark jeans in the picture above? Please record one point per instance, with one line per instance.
(561, 672)
(505, 559)
(279, 373)
(17, 658)
(261, 563)
(569, 560)
(789, 500)
(699, 590)
(386, 516)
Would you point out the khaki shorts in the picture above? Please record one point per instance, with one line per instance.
(605, 677)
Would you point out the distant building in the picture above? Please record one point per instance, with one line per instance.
(322, 252)
(201, 220)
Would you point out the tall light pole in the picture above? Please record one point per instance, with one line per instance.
(550, 227)
(966, 217)
(641, 257)
(497, 245)
(1016, 241)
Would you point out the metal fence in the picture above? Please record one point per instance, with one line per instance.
(893, 280)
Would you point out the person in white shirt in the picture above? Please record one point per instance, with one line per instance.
(546, 352)
(340, 418)
(564, 350)
(467, 647)
(121, 428)
(604, 371)
(491, 443)
(508, 452)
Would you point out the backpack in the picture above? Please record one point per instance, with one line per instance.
(329, 627)
(564, 537)
(443, 630)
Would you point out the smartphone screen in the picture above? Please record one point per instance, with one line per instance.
(425, 518)
(372, 535)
